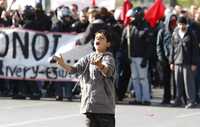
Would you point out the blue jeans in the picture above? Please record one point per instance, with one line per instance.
(140, 80)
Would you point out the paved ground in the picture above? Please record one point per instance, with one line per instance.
(49, 113)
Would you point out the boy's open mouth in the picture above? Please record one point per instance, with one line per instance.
(97, 43)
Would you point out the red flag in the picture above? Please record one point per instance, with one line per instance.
(93, 2)
(155, 12)
(126, 6)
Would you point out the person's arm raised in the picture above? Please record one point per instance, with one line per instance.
(60, 61)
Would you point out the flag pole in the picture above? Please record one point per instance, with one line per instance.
(9, 8)
(128, 41)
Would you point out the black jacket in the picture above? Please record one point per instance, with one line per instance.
(42, 22)
(184, 50)
(163, 44)
(97, 25)
(91, 30)
(79, 26)
(62, 26)
(140, 40)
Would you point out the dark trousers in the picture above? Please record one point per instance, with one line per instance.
(197, 84)
(184, 78)
(124, 73)
(26, 88)
(64, 89)
(100, 120)
(166, 82)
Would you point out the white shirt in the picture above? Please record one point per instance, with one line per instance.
(181, 33)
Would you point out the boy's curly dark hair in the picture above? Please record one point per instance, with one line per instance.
(105, 33)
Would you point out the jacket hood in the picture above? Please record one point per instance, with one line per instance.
(167, 21)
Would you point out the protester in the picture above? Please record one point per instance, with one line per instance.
(17, 20)
(195, 25)
(184, 57)
(140, 52)
(43, 22)
(95, 24)
(163, 52)
(122, 61)
(29, 18)
(75, 12)
(193, 11)
(82, 23)
(97, 72)
(6, 19)
(65, 20)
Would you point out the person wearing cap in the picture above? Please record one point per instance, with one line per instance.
(183, 61)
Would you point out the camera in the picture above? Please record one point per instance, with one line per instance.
(52, 59)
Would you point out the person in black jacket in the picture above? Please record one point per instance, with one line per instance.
(26, 88)
(163, 51)
(29, 18)
(63, 89)
(140, 52)
(184, 57)
(95, 24)
(43, 22)
(82, 24)
(65, 20)
(195, 25)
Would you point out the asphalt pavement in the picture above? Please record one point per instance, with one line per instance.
(50, 113)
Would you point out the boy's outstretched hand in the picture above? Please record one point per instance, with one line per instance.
(59, 60)
(97, 61)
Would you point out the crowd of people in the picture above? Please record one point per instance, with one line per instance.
(167, 55)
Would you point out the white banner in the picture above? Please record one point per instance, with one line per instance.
(109, 4)
(25, 54)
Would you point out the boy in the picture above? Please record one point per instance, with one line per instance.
(97, 72)
(184, 57)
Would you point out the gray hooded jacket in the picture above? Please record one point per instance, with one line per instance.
(97, 90)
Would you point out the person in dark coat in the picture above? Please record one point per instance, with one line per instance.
(95, 24)
(184, 58)
(195, 25)
(63, 89)
(163, 51)
(65, 20)
(29, 18)
(121, 59)
(26, 88)
(140, 52)
(43, 22)
(82, 24)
